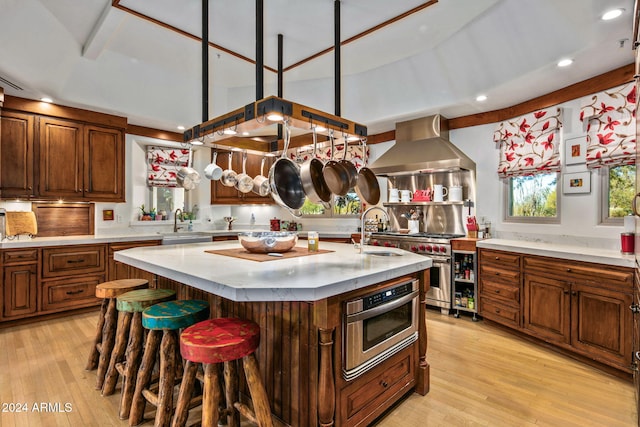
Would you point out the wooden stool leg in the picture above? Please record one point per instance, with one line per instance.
(94, 354)
(108, 339)
(136, 416)
(167, 377)
(184, 396)
(231, 392)
(210, 396)
(132, 356)
(258, 393)
(117, 354)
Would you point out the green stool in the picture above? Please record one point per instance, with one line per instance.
(130, 305)
(167, 318)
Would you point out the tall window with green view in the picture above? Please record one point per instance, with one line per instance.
(621, 190)
(533, 198)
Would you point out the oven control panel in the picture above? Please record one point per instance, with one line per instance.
(381, 297)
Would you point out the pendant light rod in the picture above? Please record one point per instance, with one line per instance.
(336, 52)
(280, 75)
(205, 60)
(259, 49)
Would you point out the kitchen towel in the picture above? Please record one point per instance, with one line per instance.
(21, 223)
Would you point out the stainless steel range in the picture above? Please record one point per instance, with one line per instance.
(438, 248)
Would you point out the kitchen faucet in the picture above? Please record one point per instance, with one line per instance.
(364, 214)
(175, 220)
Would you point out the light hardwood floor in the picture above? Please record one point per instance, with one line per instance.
(480, 376)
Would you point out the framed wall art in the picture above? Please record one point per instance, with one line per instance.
(579, 182)
(575, 150)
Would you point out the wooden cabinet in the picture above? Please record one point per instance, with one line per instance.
(73, 260)
(499, 286)
(578, 306)
(20, 285)
(80, 162)
(118, 270)
(221, 194)
(17, 132)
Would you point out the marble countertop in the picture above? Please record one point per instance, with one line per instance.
(27, 242)
(556, 250)
(307, 278)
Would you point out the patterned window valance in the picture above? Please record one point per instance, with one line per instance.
(163, 164)
(611, 126)
(354, 153)
(529, 143)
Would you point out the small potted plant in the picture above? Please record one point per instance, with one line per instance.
(144, 215)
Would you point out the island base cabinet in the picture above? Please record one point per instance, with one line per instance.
(20, 290)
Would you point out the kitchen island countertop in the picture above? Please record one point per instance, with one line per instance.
(305, 278)
(556, 250)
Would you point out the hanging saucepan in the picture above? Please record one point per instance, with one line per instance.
(285, 181)
(213, 171)
(312, 178)
(348, 165)
(187, 177)
(244, 183)
(228, 178)
(367, 186)
(335, 175)
(261, 182)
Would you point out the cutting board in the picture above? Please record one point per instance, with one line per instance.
(21, 223)
(244, 254)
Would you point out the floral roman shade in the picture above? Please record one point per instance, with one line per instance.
(163, 164)
(611, 126)
(529, 143)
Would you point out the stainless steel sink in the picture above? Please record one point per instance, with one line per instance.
(382, 253)
(185, 237)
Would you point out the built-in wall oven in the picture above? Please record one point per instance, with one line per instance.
(378, 325)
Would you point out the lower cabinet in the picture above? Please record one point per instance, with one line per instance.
(20, 290)
(70, 293)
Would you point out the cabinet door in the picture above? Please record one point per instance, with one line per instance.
(61, 159)
(222, 194)
(16, 154)
(20, 290)
(547, 308)
(602, 324)
(103, 164)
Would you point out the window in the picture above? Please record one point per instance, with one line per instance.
(347, 205)
(532, 198)
(618, 189)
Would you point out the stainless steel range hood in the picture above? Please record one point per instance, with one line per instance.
(422, 146)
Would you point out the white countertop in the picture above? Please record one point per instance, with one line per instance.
(307, 278)
(556, 250)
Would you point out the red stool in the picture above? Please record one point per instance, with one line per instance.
(106, 330)
(222, 340)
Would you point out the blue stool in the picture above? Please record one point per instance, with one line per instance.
(166, 318)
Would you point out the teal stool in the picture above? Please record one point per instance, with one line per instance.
(168, 318)
(130, 306)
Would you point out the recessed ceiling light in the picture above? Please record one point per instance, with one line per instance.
(565, 62)
(49, 100)
(180, 127)
(612, 14)
(481, 98)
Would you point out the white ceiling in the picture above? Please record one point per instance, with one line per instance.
(89, 54)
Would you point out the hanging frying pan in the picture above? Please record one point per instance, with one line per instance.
(313, 181)
(284, 180)
(335, 175)
(367, 186)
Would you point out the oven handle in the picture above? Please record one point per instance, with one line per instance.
(375, 311)
(441, 260)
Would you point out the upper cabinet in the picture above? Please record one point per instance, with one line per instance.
(65, 159)
(16, 154)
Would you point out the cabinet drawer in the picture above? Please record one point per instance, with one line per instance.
(506, 259)
(492, 289)
(114, 247)
(364, 400)
(73, 260)
(494, 272)
(600, 275)
(500, 313)
(70, 293)
(15, 256)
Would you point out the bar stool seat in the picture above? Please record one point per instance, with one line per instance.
(130, 305)
(215, 341)
(166, 318)
(105, 335)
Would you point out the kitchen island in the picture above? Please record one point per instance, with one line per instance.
(299, 305)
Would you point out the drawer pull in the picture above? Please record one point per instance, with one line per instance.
(75, 261)
(497, 311)
(497, 273)
(383, 383)
(568, 270)
(497, 291)
(497, 258)
(79, 291)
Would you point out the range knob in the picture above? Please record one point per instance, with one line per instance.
(443, 249)
(375, 243)
(387, 244)
(422, 247)
(428, 248)
(436, 248)
(414, 249)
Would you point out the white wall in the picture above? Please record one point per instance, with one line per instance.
(578, 212)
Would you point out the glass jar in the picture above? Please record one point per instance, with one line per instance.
(312, 241)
